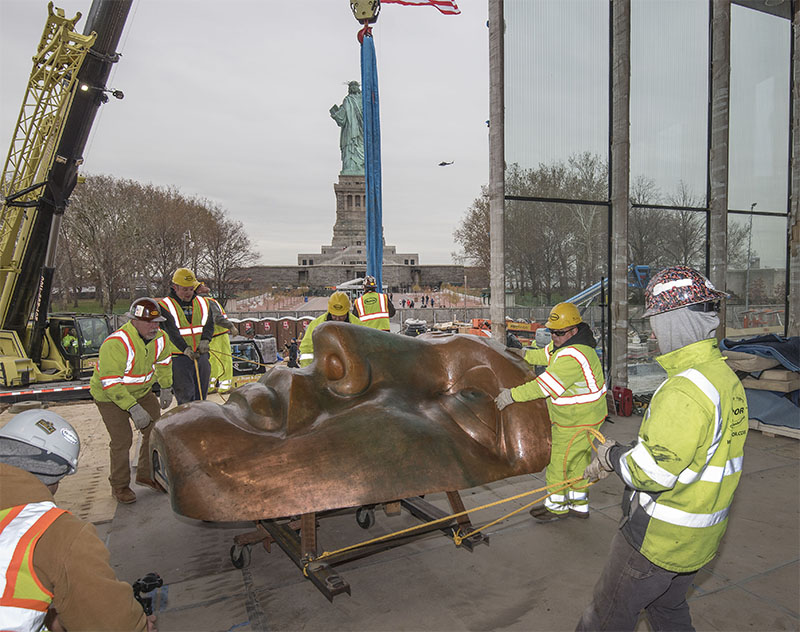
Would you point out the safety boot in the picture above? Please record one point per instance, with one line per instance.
(543, 514)
(124, 495)
(149, 482)
(578, 514)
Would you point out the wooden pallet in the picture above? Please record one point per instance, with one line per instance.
(770, 431)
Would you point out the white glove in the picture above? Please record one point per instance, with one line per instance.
(141, 418)
(202, 347)
(165, 398)
(503, 399)
(191, 353)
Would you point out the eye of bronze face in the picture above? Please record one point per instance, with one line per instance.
(334, 367)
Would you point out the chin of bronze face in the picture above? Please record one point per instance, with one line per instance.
(376, 417)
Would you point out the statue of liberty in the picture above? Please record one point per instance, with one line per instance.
(351, 139)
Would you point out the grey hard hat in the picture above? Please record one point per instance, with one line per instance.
(41, 442)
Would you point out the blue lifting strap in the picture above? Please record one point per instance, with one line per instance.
(372, 159)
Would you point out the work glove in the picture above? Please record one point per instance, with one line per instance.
(165, 398)
(503, 399)
(141, 418)
(600, 466)
(595, 471)
(202, 347)
(517, 351)
(231, 327)
(191, 353)
(603, 454)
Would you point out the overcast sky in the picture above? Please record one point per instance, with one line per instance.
(229, 101)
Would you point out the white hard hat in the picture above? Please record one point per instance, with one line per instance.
(42, 443)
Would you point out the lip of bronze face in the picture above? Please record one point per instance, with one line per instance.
(377, 417)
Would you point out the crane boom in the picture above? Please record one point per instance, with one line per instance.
(66, 88)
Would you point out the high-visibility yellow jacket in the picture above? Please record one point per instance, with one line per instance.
(201, 326)
(687, 460)
(127, 366)
(372, 308)
(220, 348)
(307, 344)
(573, 384)
(23, 599)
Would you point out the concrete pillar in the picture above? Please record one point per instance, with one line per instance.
(793, 318)
(620, 178)
(497, 168)
(718, 120)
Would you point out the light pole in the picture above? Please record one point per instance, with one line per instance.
(465, 298)
(747, 275)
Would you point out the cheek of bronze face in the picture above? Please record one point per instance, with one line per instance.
(376, 417)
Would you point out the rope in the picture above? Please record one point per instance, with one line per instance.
(235, 357)
(199, 383)
(458, 538)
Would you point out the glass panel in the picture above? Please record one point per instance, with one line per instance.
(659, 238)
(556, 83)
(759, 125)
(757, 288)
(669, 98)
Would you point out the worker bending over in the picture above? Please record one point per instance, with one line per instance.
(121, 385)
(339, 310)
(373, 308)
(189, 330)
(575, 389)
(681, 472)
(54, 568)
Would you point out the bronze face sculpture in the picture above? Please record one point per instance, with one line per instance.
(377, 417)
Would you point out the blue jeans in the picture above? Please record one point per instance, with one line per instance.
(631, 583)
(184, 378)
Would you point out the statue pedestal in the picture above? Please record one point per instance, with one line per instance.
(351, 212)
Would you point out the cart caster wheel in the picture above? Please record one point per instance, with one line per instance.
(365, 517)
(240, 556)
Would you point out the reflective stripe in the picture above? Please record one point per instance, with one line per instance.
(584, 398)
(125, 339)
(176, 312)
(23, 605)
(128, 377)
(108, 382)
(679, 517)
(707, 388)
(383, 306)
(551, 384)
(595, 391)
(573, 495)
(712, 473)
(306, 356)
(642, 457)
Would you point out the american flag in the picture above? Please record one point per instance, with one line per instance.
(447, 7)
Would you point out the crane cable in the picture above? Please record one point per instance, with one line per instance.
(458, 538)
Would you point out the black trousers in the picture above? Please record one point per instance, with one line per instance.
(184, 378)
(631, 583)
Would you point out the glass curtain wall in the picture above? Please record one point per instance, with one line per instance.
(758, 198)
(556, 144)
(667, 223)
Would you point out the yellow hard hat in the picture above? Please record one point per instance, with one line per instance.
(185, 278)
(338, 304)
(562, 316)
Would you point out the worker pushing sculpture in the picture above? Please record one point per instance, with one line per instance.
(373, 419)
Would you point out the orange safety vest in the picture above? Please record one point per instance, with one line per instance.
(190, 332)
(23, 598)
